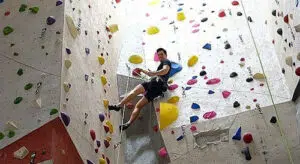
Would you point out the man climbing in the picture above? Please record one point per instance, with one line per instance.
(152, 89)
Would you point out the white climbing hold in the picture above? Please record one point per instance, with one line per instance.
(10, 125)
(289, 61)
(71, 26)
(297, 28)
(68, 64)
(66, 87)
(21, 153)
(37, 103)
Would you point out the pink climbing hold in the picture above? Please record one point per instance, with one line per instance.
(156, 57)
(173, 87)
(196, 25)
(195, 31)
(193, 128)
(209, 115)
(163, 152)
(205, 77)
(226, 94)
(163, 18)
(93, 135)
(191, 21)
(222, 14)
(147, 14)
(106, 128)
(118, 1)
(192, 82)
(213, 81)
(235, 3)
(106, 144)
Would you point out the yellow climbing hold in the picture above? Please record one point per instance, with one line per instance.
(153, 2)
(192, 61)
(180, 16)
(259, 76)
(101, 60)
(71, 26)
(113, 28)
(173, 99)
(170, 81)
(68, 63)
(111, 128)
(102, 161)
(152, 30)
(105, 103)
(103, 80)
(135, 59)
(108, 138)
(168, 114)
(66, 87)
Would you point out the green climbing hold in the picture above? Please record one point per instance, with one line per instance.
(7, 30)
(53, 111)
(18, 100)
(1, 135)
(34, 9)
(20, 72)
(22, 8)
(28, 86)
(11, 134)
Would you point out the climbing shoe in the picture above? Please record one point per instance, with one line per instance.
(124, 126)
(114, 107)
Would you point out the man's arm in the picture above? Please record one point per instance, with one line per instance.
(161, 72)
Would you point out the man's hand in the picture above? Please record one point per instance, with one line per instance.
(149, 73)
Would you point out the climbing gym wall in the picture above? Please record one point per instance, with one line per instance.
(31, 44)
(90, 50)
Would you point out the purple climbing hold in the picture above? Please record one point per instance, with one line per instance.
(211, 92)
(107, 160)
(101, 117)
(51, 20)
(187, 88)
(194, 119)
(89, 162)
(106, 143)
(59, 2)
(65, 118)
(98, 143)
(195, 106)
(68, 51)
(194, 77)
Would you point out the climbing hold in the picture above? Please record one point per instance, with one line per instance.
(211, 92)
(289, 60)
(98, 143)
(250, 19)
(53, 111)
(227, 46)
(297, 28)
(196, 25)
(10, 125)
(235, 3)
(237, 135)
(204, 19)
(180, 137)
(155, 128)
(173, 99)
(249, 79)
(194, 119)
(106, 128)
(298, 56)
(102, 161)
(6, 13)
(22, 7)
(96, 150)
(172, 87)
(152, 30)
(195, 106)
(242, 64)
(207, 46)
(175, 68)
(103, 80)
(274, 13)
(65, 118)
(135, 59)
(18, 100)
(68, 51)
(195, 31)
(222, 13)
(273, 120)
(239, 13)
(71, 26)
(203, 73)
(1, 136)
(38, 102)
(286, 19)
(34, 9)
(247, 138)
(246, 152)
(213, 81)
(11, 134)
(101, 117)
(180, 9)
(209, 115)
(192, 82)
(236, 104)
(93, 135)
(136, 72)
(233, 74)
(258, 76)
(67, 86)
(59, 2)
(68, 63)
(101, 60)
(180, 16)
(7, 30)
(283, 70)
(192, 61)
(279, 31)
(50, 20)
(168, 114)
(106, 143)
(187, 88)
(163, 152)
(28, 86)
(194, 77)
(113, 28)
(248, 107)
(105, 103)
(193, 128)
(111, 128)
(297, 71)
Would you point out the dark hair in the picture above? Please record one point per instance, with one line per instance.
(161, 49)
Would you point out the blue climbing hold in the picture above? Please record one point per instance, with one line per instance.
(237, 135)
(187, 88)
(89, 162)
(194, 77)
(101, 117)
(175, 68)
(180, 138)
(98, 143)
(211, 92)
(65, 118)
(207, 46)
(194, 119)
(195, 106)
(180, 9)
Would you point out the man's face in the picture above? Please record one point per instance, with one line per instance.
(161, 55)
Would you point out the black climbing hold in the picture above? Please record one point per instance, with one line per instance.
(202, 73)
(86, 77)
(204, 19)
(233, 74)
(279, 31)
(236, 104)
(250, 19)
(59, 2)
(57, 32)
(50, 20)
(285, 40)
(218, 37)
(68, 51)
(106, 53)
(294, 64)
(16, 54)
(227, 46)
(274, 13)
(101, 54)
(47, 53)
(18, 100)
(98, 32)
(283, 70)
(22, 8)
(239, 13)
(249, 79)
(73, 9)
(104, 71)
(204, 4)
(28, 86)
(246, 152)
(11, 45)
(85, 32)
(273, 120)
(212, 11)
(42, 47)
(20, 72)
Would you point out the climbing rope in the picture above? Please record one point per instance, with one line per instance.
(283, 137)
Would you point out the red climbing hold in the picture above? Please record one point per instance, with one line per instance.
(172, 132)
(222, 61)
(222, 14)
(109, 36)
(235, 3)
(209, 115)
(205, 77)
(247, 138)
(96, 150)
(192, 82)
(155, 128)
(286, 19)
(213, 81)
(273, 41)
(173, 87)
(254, 100)
(261, 84)
(252, 89)
(242, 59)
(297, 71)
(106, 128)
(193, 128)
(93, 135)
(118, 1)
(226, 94)
(7, 13)
(157, 110)
(136, 72)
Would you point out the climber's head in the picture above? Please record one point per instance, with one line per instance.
(162, 54)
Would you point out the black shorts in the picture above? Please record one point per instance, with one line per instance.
(153, 89)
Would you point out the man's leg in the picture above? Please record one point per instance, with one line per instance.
(138, 107)
(133, 93)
